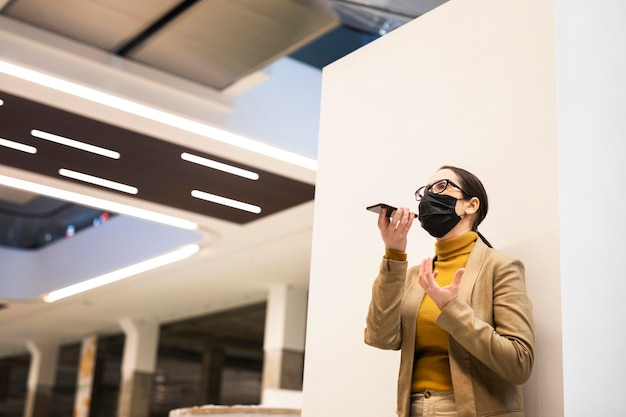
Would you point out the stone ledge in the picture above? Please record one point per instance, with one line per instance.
(236, 410)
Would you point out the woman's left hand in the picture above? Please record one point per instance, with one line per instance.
(440, 295)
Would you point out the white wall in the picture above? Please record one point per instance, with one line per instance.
(471, 83)
(591, 63)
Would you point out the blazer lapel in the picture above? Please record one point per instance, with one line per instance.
(472, 269)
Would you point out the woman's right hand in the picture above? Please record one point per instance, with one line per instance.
(394, 231)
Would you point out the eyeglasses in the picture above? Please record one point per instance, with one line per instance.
(437, 188)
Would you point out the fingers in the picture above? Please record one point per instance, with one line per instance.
(426, 277)
(427, 266)
(394, 231)
(440, 295)
(407, 216)
(402, 219)
(383, 220)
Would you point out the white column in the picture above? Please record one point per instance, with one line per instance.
(85, 379)
(591, 74)
(138, 366)
(41, 378)
(283, 345)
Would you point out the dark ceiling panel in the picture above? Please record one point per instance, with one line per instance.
(151, 165)
(212, 42)
(218, 42)
(106, 24)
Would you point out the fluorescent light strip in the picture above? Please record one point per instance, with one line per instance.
(219, 166)
(226, 201)
(97, 202)
(99, 281)
(98, 181)
(75, 144)
(157, 115)
(17, 146)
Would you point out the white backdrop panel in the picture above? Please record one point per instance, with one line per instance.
(472, 84)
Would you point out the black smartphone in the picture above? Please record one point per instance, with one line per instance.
(391, 210)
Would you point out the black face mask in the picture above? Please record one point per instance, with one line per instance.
(437, 214)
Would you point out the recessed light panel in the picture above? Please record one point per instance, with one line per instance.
(98, 181)
(18, 146)
(209, 163)
(75, 144)
(240, 205)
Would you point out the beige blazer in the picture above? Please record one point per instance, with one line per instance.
(490, 326)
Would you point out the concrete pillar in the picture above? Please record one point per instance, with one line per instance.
(86, 376)
(138, 366)
(41, 378)
(5, 374)
(212, 366)
(283, 346)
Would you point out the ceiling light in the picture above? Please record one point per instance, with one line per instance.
(156, 115)
(226, 201)
(177, 255)
(98, 181)
(96, 202)
(219, 166)
(18, 146)
(1, 102)
(75, 144)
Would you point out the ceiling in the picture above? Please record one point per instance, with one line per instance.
(140, 163)
(213, 45)
(212, 42)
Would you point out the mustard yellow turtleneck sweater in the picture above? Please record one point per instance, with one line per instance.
(431, 368)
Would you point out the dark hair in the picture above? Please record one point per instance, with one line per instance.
(474, 188)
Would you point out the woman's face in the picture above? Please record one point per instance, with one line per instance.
(447, 174)
(465, 207)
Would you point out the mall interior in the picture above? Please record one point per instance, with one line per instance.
(183, 187)
(157, 174)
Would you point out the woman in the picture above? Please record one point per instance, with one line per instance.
(462, 320)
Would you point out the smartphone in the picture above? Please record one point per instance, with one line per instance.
(391, 210)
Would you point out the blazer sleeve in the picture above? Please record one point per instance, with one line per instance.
(383, 320)
(506, 346)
